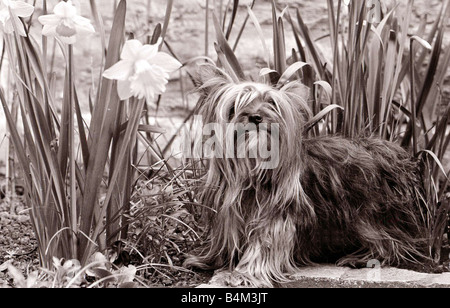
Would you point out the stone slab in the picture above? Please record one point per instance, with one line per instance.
(330, 276)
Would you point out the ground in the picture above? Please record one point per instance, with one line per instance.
(330, 276)
(18, 246)
(186, 38)
(17, 242)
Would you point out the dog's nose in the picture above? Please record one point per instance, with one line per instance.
(255, 118)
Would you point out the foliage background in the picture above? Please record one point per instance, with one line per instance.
(186, 37)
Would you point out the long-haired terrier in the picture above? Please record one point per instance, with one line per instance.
(318, 199)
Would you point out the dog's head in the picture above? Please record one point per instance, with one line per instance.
(260, 126)
(225, 101)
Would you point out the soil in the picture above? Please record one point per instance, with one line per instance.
(17, 240)
(186, 38)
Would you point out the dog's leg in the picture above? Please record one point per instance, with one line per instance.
(268, 256)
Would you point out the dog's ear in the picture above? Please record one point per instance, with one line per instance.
(209, 77)
(304, 92)
(205, 72)
(299, 90)
(299, 95)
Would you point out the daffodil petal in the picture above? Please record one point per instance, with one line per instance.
(149, 96)
(22, 9)
(65, 10)
(119, 71)
(124, 89)
(147, 52)
(83, 24)
(4, 16)
(149, 83)
(69, 40)
(129, 50)
(8, 27)
(51, 20)
(166, 61)
(49, 30)
(19, 26)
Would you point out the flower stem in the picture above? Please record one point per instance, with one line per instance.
(72, 158)
(44, 39)
(207, 29)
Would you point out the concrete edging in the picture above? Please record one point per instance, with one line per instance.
(330, 276)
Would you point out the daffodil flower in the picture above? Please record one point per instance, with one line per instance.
(65, 23)
(143, 71)
(10, 11)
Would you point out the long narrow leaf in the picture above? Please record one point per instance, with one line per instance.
(227, 51)
(101, 133)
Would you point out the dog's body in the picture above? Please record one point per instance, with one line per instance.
(329, 198)
(366, 198)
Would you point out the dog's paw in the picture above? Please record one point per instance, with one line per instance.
(221, 278)
(235, 280)
(228, 279)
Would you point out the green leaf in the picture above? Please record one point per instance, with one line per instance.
(260, 35)
(103, 118)
(151, 129)
(316, 119)
(326, 86)
(227, 51)
(233, 17)
(436, 160)
(166, 19)
(290, 71)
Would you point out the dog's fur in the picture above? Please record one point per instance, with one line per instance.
(330, 199)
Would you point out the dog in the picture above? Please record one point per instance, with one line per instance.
(323, 199)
